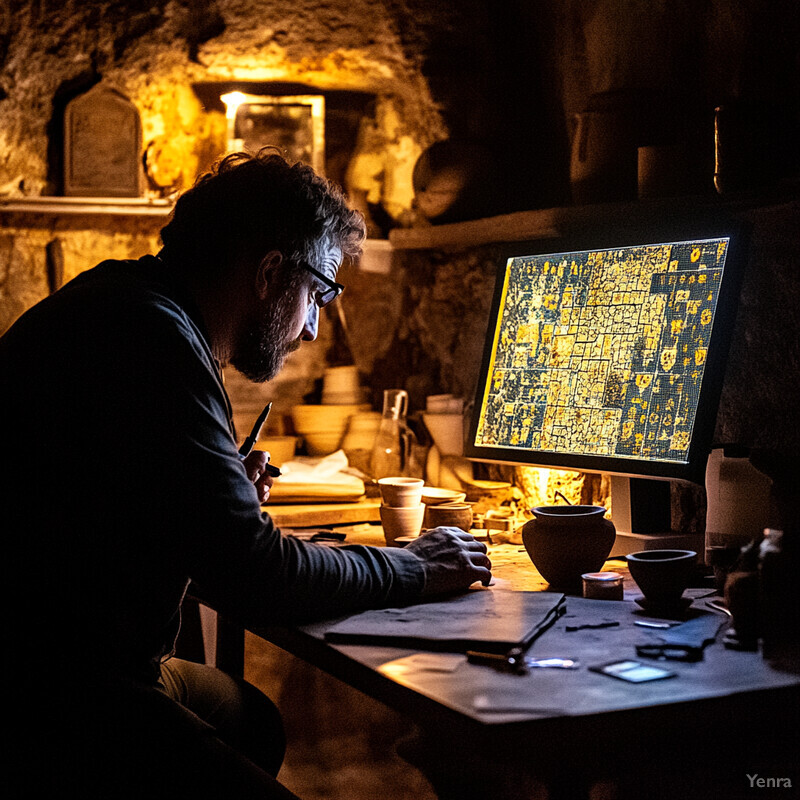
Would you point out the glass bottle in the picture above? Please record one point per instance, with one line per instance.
(392, 447)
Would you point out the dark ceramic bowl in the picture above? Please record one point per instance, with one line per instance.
(662, 575)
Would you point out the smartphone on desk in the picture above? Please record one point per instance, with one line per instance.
(633, 671)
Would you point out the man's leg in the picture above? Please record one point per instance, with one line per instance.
(241, 715)
(115, 738)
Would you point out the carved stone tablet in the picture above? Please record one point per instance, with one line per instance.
(102, 145)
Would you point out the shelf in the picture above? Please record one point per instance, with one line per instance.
(77, 206)
(551, 223)
(538, 224)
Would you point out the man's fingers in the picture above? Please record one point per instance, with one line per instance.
(465, 537)
(481, 560)
(483, 575)
(462, 534)
(254, 464)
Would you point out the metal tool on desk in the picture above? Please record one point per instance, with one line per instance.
(315, 535)
(552, 663)
(591, 626)
(646, 623)
(249, 443)
(515, 662)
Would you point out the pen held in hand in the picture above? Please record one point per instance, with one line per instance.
(250, 441)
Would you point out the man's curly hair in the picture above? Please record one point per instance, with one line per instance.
(248, 205)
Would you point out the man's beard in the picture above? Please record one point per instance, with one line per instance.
(265, 345)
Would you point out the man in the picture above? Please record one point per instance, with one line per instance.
(126, 484)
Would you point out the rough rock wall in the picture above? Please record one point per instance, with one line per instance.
(422, 325)
(24, 278)
(156, 52)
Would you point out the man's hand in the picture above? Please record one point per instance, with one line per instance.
(453, 560)
(255, 465)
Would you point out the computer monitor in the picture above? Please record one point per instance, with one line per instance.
(607, 354)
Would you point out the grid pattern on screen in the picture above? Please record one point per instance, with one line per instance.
(602, 352)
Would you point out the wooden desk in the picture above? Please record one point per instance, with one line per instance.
(572, 728)
(306, 515)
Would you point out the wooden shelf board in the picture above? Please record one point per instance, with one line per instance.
(71, 206)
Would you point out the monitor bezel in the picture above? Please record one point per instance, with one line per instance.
(609, 238)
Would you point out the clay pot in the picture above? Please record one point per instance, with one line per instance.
(453, 182)
(742, 600)
(563, 542)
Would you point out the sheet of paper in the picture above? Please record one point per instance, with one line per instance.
(400, 668)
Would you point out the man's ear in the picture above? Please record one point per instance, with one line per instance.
(266, 268)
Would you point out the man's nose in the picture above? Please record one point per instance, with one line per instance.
(311, 325)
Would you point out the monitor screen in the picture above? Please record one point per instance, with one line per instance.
(608, 356)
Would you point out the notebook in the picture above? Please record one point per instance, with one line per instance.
(485, 620)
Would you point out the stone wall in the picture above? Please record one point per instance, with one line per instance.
(154, 52)
(509, 76)
(167, 57)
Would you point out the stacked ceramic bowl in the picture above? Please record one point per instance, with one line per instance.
(322, 427)
(341, 386)
(401, 509)
(446, 507)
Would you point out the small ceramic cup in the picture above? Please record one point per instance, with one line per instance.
(662, 575)
(401, 492)
(450, 515)
(401, 522)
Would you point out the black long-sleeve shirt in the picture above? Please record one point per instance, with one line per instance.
(125, 484)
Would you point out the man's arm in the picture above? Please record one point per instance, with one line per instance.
(236, 556)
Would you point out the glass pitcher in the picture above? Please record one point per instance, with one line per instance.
(391, 453)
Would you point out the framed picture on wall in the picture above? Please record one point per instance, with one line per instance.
(294, 123)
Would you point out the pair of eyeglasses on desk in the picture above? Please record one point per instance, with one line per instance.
(670, 651)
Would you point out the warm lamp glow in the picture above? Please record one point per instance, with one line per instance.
(232, 102)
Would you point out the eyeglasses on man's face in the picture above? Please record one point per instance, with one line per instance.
(323, 296)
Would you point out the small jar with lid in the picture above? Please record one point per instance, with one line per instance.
(602, 585)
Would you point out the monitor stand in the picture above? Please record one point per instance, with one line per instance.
(641, 511)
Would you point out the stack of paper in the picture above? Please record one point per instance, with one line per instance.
(317, 480)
